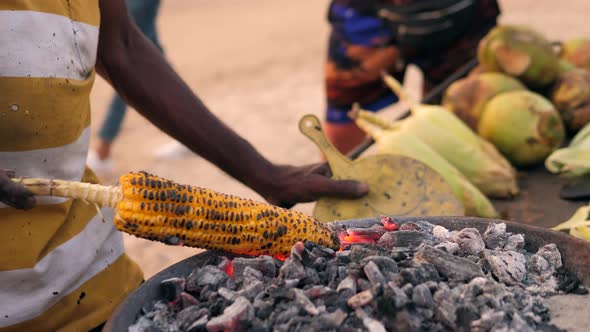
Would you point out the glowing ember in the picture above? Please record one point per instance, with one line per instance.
(389, 224)
(280, 257)
(351, 237)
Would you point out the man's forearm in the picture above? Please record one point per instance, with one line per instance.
(136, 69)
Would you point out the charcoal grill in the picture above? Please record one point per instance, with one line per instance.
(575, 255)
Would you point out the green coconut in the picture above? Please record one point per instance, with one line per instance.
(520, 52)
(523, 125)
(466, 97)
(571, 96)
(576, 51)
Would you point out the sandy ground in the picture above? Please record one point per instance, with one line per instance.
(258, 65)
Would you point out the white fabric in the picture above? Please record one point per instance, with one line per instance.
(64, 163)
(27, 293)
(36, 44)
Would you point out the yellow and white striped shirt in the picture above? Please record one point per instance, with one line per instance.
(61, 266)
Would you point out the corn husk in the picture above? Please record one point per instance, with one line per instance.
(574, 160)
(578, 224)
(451, 138)
(391, 141)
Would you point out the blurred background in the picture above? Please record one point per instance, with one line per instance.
(258, 65)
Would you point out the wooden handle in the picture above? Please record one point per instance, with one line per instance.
(310, 126)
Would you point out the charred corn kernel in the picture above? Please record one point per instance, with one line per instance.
(154, 208)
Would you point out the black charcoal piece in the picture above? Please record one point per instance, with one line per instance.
(385, 264)
(449, 266)
(207, 275)
(508, 266)
(264, 264)
(172, 288)
(514, 243)
(551, 253)
(318, 291)
(374, 275)
(470, 241)
(348, 283)
(292, 269)
(407, 239)
(333, 320)
(422, 296)
(235, 317)
(304, 302)
(360, 299)
(190, 315)
(495, 236)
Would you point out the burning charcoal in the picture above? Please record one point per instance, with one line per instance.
(515, 243)
(399, 297)
(374, 275)
(469, 241)
(360, 299)
(371, 324)
(292, 269)
(172, 288)
(422, 297)
(508, 266)
(445, 308)
(449, 266)
(333, 320)
(348, 283)
(406, 239)
(304, 302)
(234, 318)
(317, 292)
(264, 264)
(188, 316)
(389, 224)
(227, 294)
(187, 300)
(250, 273)
(441, 233)
(495, 236)
(384, 263)
(206, 275)
(450, 247)
(551, 254)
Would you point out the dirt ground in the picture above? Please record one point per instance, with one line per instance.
(258, 65)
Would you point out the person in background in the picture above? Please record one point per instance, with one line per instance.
(144, 14)
(362, 44)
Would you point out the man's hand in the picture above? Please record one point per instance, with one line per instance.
(14, 194)
(289, 185)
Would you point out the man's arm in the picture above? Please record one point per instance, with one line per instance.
(141, 75)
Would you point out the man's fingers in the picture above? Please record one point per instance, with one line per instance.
(342, 188)
(15, 195)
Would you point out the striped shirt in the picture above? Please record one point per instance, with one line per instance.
(61, 266)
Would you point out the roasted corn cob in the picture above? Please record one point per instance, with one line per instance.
(154, 208)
